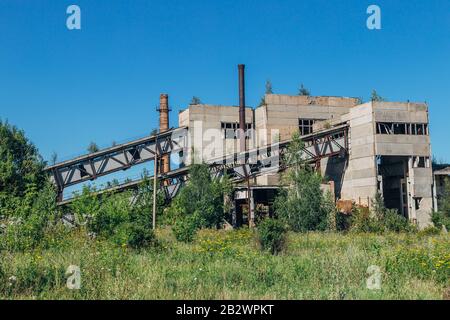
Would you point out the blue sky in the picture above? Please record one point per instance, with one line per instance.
(102, 83)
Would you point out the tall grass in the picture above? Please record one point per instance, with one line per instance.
(228, 265)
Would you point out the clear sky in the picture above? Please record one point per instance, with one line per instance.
(102, 83)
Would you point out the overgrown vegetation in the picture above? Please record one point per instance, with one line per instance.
(120, 257)
(442, 217)
(272, 235)
(302, 206)
(200, 204)
(228, 265)
(376, 97)
(302, 91)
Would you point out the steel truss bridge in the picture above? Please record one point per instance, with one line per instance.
(238, 166)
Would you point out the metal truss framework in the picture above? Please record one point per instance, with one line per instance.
(121, 157)
(238, 166)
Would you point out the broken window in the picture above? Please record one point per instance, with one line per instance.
(305, 126)
(417, 202)
(402, 128)
(421, 162)
(230, 130)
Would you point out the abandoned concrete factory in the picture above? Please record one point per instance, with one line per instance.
(388, 146)
(359, 148)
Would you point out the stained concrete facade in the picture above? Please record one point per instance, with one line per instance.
(389, 146)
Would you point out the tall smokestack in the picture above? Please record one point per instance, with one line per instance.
(241, 68)
(164, 126)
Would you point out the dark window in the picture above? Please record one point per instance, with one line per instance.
(230, 130)
(402, 128)
(305, 126)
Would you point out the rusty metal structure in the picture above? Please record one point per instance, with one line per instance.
(238, 166)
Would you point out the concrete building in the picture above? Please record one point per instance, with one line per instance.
(388, 145)
(441, 174)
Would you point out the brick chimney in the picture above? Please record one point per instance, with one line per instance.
(164, 126)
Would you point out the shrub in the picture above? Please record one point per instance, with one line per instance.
(185, 228)
(134, 235)
(202, 197)
(272, 235)
(429, 231)
(35, 213)
(379, 219)
(343, 221)
(440, 219)
(364, 221)
(393, 221)
(302, 206)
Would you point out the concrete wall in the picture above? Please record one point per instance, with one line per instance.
(206, 137)
(282, 112)
(360, 178)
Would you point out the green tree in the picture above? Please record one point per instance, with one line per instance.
(202, 197)
(93, 147)
(269, 87)
(53, 158)
(20, 162)
(376, 97)
(302, 91)
(302, 206)
(268, 91)
(195, 100)
(442, 217)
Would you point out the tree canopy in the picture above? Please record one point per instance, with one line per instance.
(20, 162)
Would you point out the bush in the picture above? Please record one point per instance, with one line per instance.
(202, 199)
(343, 221)
(185, 228)
(35, 213)
(272, 235)
(380, 219)
(429, 231)
(134, 235)
(364, 221)
(303, 206)
(441, 219)
(393, 221)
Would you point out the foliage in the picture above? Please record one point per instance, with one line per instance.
(379, 219)
(223, 265)
(34, 214)
(93, 147)
(269, 87)
(376, 97)
(186, 227)
(442, 217)
(203, 197)
(124, 217)
(272, 235)
(20, 163)
(195, 100)
(302, 206)
(302, 91)
(134, 235)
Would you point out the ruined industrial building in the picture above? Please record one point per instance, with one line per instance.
(360, 149)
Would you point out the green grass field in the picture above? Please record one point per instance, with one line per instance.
(229, 265)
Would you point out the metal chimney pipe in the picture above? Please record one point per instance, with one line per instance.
(242, 143)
